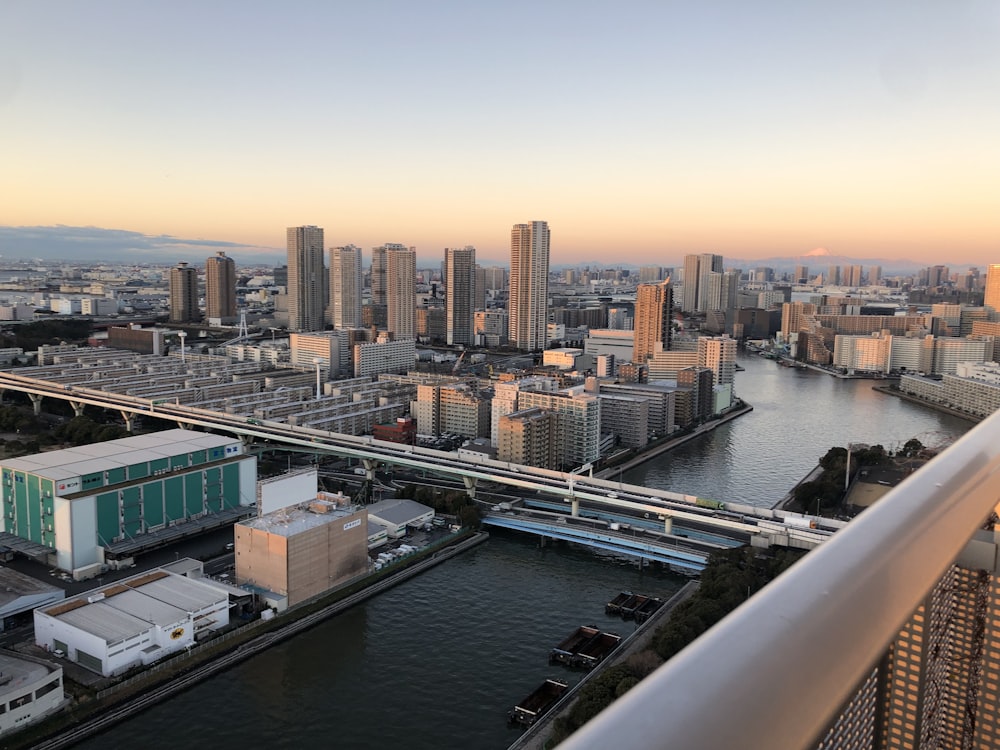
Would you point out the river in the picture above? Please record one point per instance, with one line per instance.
(436, 662)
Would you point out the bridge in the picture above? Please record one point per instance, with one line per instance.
(678, 517)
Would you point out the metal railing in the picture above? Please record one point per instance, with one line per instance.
(776, 672)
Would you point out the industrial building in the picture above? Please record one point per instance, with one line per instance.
(20, 593)
(398, 514)
(302, 550)
(132, 622)
(30, 689)
(96, 503)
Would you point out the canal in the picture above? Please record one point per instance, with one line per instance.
(437, 662)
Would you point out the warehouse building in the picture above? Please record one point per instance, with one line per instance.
(30, 689)
(136, 621)
(90, 500)
(302, 551)
(20, 593)
(397, 515)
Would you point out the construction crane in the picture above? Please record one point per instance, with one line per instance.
(458, 362)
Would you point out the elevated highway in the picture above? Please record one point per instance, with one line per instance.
(759, 526)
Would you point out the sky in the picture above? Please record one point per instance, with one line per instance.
(641, 131)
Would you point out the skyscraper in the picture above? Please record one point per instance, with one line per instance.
(345, 287)
(379, 269)
(992, 296)
(653, 304)
(305, 278)
(702, 283)
(401, 291)
(460, 271)
(184, 294)
(529, 285)
(220, 287)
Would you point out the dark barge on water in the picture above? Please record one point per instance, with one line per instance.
(631, 606)
(544, 697)
(585, 647)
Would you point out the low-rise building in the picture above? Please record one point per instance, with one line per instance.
(30, 690)
(397, 514)
(132, 622)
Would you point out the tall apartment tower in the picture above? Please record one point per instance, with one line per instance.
(529, 285)
(380, 283)
(992, 295)
(874, 275)
(702, 289)
(345, 287)
(801, 275)
(653, 305)
(460, 271)
(305, 279)
(401, 291)
(184, 294)
(220, 287)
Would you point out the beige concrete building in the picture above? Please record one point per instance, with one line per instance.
(653, 306)
(304, 550)
(527, 437)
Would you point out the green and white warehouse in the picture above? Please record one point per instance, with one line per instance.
(90, 500)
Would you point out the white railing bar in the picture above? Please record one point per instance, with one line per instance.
(773, 674)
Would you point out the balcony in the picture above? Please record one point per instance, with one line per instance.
(886, 636)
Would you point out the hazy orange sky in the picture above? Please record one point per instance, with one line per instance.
(640, 131)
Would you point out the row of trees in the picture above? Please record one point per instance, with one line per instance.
(450, 502)
(826, 493)
(30, 336)
(730, 577)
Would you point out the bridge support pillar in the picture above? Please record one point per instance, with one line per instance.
(575, 505)
(470, 486)
(370, 465)
(129, 418)
(36, 403)
(77, 408)
(668, 525)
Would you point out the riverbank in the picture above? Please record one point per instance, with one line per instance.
(536, 737)
(889, 390)
(670, 443)
(148, 689)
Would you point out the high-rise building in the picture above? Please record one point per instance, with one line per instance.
(220, 287)
(702, 283)
(529, 285)
(653, 305)
(379, 269)
(401, 291)
(992, 295)
(184, 294)
(801, 275)
(305, 278)
(345, 287)
(874, 275)
(460, 270)
(479, 298)
(832, 276)
(719, 355)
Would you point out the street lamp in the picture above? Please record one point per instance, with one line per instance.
(182, 335)
(317, 361)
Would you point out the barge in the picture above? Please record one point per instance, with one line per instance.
(647, 609)
(614, 607)
(544, 697)
(566, 651)
(585, 648)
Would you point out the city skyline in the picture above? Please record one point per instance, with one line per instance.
(658, 130)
